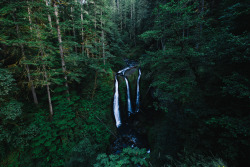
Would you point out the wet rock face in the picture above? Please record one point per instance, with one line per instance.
(132, 72)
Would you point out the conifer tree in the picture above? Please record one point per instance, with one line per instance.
(38, 37)
(61, 47)
(24, 57)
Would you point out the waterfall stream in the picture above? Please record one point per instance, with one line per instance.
(116, 104)
(128, 98)
(138, 92)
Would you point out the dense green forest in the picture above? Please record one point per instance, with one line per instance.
(58, 60)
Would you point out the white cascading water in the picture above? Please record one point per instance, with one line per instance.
(128, 97)
(123, 70)
(138, 92)
(116, 105)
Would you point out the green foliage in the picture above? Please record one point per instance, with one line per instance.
(12, 110)
(56, 138)
(77, 131)
(128, 157)
(194, 160)
(198, 72)
(6, 84)
(171, 66)
(233, 126)
(237, 86)
(26, 40)
(12, 128)
(83, 154)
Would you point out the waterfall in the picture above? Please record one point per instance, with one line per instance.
(116, 96)
(128, 135)
(116, 105)
(138, 92)
(128, 97)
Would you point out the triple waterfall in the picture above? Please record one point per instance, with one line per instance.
(116, 107)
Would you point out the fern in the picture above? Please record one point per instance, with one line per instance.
(129, 157)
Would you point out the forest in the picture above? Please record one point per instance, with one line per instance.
(61, 62)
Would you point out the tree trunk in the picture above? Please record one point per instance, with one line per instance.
(163, 45)
(61, 50)
(134, 24)
(30, 80)
(202, 11)
(26, 66)
(125, 15)
(199, 31)
(44, 68)
(121, 17)
(183, 34)
(29, 13)
(96, 22)
(118, 6)
(95, 85)
(103, 46)
(49, 17)
(131, 18)
(82, 33)
(48, 89)
(73, 25)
